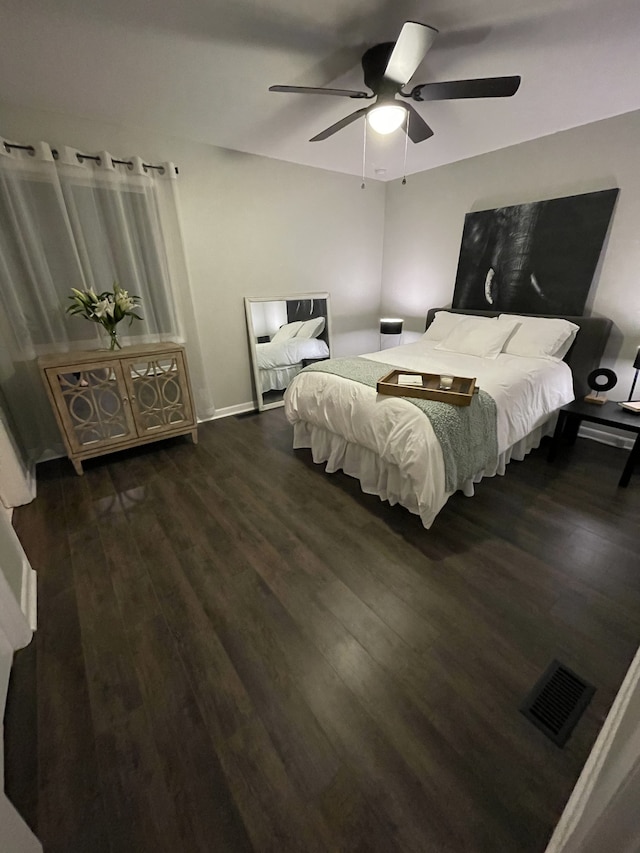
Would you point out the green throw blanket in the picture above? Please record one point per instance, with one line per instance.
(467, 434)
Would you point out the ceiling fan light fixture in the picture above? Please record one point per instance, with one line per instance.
(386, 118)
(388, 68)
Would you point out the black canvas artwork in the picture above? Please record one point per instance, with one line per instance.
(308, 309)
(536, 258)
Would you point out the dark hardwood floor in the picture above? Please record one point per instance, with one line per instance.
(238, 652)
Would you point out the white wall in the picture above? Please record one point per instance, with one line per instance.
(251, 227)
(259, 227)
(424, 222)
(602, 812)
(267, 317)
(17, 621)
(17, 478)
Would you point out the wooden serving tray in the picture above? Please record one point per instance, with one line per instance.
(461, 392)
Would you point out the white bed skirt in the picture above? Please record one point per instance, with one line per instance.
(278, 378)
(384, 479)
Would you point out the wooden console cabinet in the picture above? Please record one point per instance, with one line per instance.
(106, 401)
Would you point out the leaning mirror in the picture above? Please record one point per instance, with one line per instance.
(286, 333)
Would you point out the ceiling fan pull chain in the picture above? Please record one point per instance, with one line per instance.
(406, 143)
(364, 154)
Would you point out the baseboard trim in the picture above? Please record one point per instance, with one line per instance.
(599, 433)
(29, 603)
(229, 411)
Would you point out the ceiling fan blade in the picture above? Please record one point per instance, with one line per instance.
(416, 127)
(312, 90)
(409, 51)
(329, 131)
(484, 87)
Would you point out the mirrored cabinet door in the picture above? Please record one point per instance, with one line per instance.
(158, 392)
(286, 333)
(94, 409)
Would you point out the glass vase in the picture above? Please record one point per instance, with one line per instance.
(114, 343)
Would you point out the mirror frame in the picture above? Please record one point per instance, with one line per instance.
(248, 301)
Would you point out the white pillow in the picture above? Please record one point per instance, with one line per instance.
(539, 337)
(564, 348)
(481, 336)
(310, 328)
(443, 322)
(286, 332)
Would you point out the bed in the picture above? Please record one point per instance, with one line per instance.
(279, 361)
(291, 347)
(389, 445)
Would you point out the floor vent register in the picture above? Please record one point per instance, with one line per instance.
(557, 702)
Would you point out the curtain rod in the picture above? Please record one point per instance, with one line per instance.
(96, 157)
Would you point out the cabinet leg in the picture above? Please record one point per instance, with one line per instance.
(77, 464)
(194, 436)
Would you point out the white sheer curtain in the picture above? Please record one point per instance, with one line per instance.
(72, 221)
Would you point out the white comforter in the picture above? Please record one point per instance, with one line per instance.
(292, 351)
(389, 444)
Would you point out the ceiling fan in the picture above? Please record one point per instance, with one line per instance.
(388, 67)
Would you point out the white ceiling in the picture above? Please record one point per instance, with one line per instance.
(201, 69)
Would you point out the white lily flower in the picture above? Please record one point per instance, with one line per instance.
(126, 304)
(101, 308)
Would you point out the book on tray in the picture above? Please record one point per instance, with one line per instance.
(409, 379)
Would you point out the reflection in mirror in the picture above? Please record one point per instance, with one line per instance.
(286, 333)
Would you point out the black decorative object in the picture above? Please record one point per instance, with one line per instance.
(636, 365)
(600, 380)
(535, 258)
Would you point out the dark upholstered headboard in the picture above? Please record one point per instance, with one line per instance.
(585, 353)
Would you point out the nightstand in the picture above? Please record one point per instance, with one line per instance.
(610, 414)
